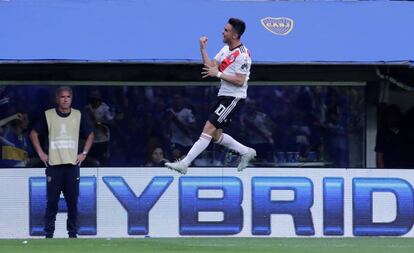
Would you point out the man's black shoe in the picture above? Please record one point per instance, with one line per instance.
(49, 236)
(73, 236)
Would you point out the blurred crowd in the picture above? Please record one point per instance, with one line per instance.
(149, 125)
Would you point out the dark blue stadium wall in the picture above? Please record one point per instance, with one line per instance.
(168, 31)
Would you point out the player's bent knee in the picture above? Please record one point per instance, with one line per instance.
(209, 128)
(217, 134)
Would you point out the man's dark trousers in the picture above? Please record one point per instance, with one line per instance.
(62, 178)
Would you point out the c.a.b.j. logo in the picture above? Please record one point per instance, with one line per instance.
(278, 26)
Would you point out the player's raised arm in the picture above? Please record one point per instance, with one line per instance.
(204, 55)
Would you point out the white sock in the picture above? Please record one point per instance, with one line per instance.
(228, 141)
(198, 147)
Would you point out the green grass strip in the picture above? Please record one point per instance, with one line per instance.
(211, 245)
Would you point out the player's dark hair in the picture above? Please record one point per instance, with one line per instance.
(238, 25)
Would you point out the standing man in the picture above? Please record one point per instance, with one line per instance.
(232, 66)
(62, 161)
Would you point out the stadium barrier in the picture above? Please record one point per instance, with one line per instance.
(261, 202)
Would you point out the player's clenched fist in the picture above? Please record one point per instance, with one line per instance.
(203, 42)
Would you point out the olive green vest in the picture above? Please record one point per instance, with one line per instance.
(63, 137)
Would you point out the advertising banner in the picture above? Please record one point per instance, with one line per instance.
(259, 202)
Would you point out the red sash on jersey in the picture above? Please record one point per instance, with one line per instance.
(228, 60)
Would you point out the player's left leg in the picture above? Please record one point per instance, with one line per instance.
(221, 117)
(247, 154)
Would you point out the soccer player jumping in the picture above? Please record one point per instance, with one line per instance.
(232, 66)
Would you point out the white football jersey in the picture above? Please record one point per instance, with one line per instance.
(231, 62)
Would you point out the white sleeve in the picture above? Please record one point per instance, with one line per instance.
(242, 64)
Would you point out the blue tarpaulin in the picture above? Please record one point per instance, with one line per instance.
(168, 31)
